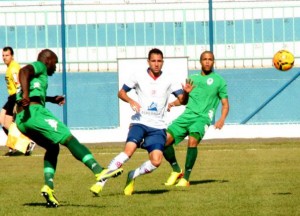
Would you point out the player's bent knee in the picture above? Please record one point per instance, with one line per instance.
(156, 158)
(156, 163)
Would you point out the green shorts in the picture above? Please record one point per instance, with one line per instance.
(40, 125)
(186, 124)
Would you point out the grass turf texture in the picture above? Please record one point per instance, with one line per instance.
(230, 177)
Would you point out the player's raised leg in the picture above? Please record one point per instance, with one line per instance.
(113, 166)
(83, 154)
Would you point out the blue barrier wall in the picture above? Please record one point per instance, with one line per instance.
(93, 102)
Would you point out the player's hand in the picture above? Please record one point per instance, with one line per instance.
(135, 106)
(219, 124)
(170, 105)
(188, 87)
(24, 102)
(60, 99)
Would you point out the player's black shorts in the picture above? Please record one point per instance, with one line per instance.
(9, 105)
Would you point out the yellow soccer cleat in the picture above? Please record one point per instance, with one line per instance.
(48, 194)
(173, 178)
(183, 183)
(96, 188)
(129, 187)
(102, 177)
(106, 174)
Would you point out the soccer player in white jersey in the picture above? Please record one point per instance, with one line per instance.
(147, 129)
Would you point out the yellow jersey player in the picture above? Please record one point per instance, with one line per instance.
(12, 83)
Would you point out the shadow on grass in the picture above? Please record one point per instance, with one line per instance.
(208, 181)
(62, 205)
(151, 192)
(35, 204)
(283, 193)
(158, 191)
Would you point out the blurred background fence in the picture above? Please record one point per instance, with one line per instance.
(244, 36)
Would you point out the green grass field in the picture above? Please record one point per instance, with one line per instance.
(231, 177)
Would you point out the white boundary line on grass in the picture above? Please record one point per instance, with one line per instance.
(144, 152)
(227, 132)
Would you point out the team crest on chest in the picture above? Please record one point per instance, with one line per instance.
(36, 85)
(209, 81)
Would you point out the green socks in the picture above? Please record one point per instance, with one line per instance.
(191, 157)
(49, 172)
(169, 154)
(82, 153)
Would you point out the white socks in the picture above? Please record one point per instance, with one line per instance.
(115, 163)
(145, 168)
(118, 161)
(121, 158)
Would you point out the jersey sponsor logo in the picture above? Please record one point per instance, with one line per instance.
(209, 81)
(52, 123)
(152, 107)
(151, 113)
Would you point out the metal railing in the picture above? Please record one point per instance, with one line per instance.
(246, 35)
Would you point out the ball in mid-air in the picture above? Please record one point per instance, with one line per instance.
(283, 60)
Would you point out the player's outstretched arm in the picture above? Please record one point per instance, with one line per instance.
(224, 112)
(58, 99)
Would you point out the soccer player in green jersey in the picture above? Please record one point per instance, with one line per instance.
(209, 88)
(35, 121)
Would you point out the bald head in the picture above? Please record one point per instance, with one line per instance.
(46, 54)
(49, 58)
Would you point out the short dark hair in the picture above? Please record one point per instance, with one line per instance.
(10, 49)
(210, 52)
(155, 51)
